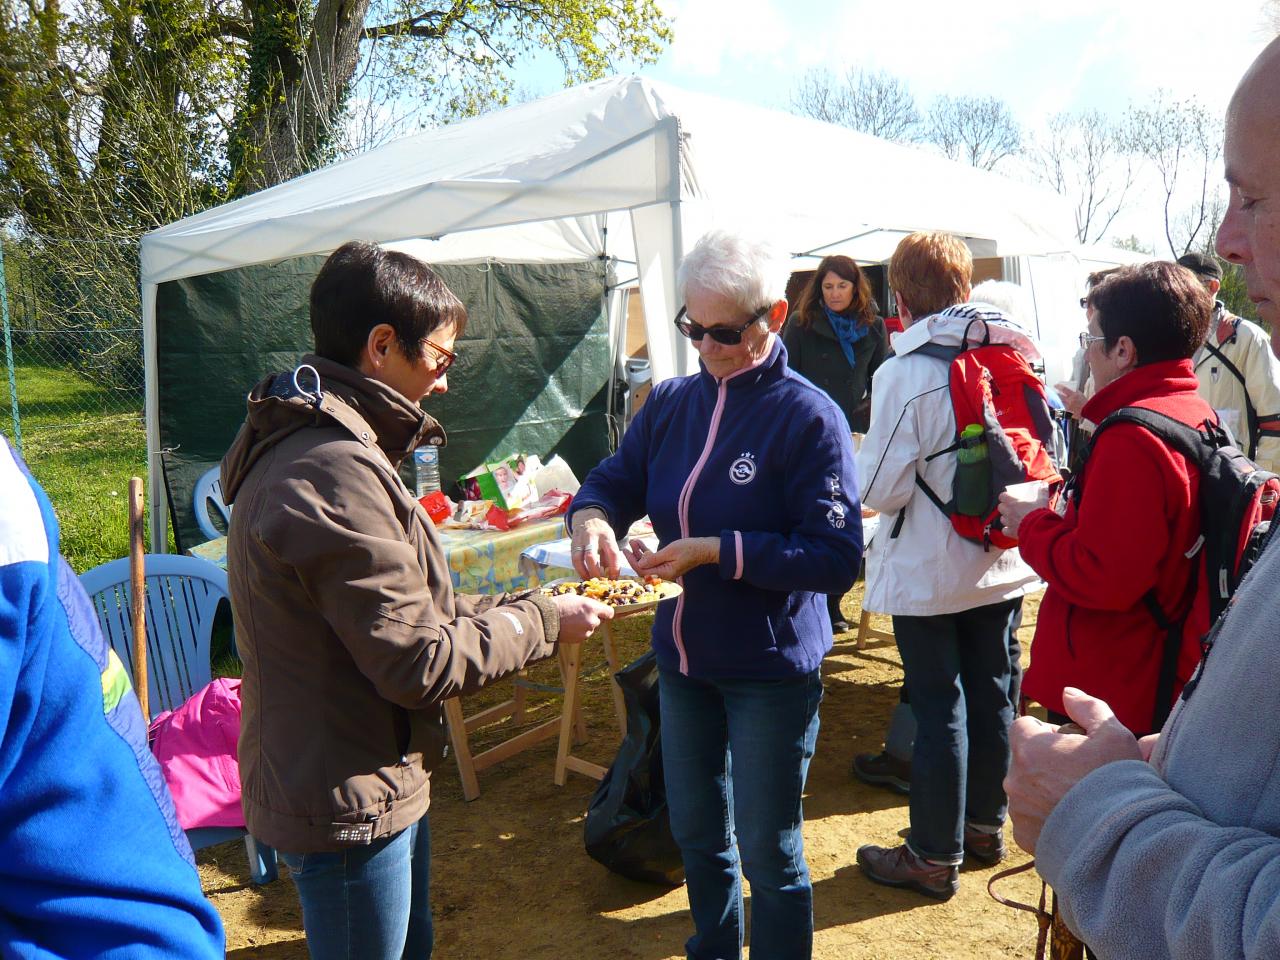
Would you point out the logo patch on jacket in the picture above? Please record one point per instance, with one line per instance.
(836, 515)
(743, 470)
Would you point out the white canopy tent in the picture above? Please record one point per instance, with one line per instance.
(623, 167)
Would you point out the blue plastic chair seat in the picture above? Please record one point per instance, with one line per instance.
(182, 596)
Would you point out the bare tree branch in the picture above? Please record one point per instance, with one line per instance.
(1182, 142)
(980, 131)
(876, 103)
(1084, 158)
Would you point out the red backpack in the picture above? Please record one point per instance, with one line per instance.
(1004, 430)
(1238, 503)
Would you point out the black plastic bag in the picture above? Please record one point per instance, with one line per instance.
(627, 826)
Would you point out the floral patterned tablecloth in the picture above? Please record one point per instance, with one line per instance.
(480, 561)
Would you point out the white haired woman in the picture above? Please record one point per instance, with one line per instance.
(746, 471)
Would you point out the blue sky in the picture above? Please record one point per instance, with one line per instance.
(1040, 58)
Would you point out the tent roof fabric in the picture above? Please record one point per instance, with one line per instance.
(609, 147)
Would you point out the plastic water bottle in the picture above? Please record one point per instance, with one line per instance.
(972, 487)
(426, 470)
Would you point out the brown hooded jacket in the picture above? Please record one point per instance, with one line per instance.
(345, 615)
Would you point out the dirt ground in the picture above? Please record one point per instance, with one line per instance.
(510, 878)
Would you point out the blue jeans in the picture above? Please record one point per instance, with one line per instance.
(958, 670)
(735, 754)
(901, 735)
(368, 902)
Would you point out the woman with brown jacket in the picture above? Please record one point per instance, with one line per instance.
(351, 634)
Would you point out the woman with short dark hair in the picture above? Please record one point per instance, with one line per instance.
(346, 618)
(1124, 556)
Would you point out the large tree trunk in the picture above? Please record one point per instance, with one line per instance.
(296, 101)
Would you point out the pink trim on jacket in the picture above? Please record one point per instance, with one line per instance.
(737, 546)
(686, 492)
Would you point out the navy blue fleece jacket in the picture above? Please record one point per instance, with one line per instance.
(763, 460)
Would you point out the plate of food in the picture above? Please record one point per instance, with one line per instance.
(626, 594)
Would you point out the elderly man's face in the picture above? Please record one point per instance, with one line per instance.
(1250, 231)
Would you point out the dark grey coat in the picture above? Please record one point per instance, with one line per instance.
(815, 353)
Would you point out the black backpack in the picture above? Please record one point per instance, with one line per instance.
(1237, 503)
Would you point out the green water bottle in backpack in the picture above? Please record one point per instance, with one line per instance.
(972, 487)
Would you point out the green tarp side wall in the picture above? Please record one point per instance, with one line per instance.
(532, 373)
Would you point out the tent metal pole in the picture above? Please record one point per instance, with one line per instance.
(8, 354)
(158, 501)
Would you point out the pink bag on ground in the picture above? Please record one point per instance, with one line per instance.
(196, 747)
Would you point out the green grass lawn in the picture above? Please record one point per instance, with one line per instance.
(82, 442)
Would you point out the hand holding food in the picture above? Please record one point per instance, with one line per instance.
(579, 616)
(594, 551)
(676, 558)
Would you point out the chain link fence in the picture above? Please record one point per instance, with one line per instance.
(72, 336)
(72, 394)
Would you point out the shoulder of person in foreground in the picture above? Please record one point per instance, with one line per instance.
(95, 862)
(1192, 837)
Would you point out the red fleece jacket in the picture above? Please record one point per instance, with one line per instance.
(1137, 517)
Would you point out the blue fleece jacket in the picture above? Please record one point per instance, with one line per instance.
(92, 860)
(763, 460)
(1179, 859)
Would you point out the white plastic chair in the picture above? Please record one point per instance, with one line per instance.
(208, 499)
(182, 596)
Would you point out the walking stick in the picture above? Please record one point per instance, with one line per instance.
(137, 596)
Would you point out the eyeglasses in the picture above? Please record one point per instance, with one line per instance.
(445, 360)
(729, 336)
(1084, 303)
(1087, 338)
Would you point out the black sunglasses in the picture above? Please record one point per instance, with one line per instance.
(729, 336)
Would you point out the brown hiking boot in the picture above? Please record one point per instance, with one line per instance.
(986, 848)
(899, 867)
(883, 770)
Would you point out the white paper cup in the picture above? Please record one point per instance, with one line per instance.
(1030, 492)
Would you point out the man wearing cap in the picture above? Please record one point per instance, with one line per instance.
(1239, 376)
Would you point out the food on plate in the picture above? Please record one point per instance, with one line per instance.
(616, 593)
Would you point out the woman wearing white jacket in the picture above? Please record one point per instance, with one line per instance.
(953, 602)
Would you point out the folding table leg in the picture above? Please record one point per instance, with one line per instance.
(570, 662)
(611, 655)
(461, 748)
(518, 699)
